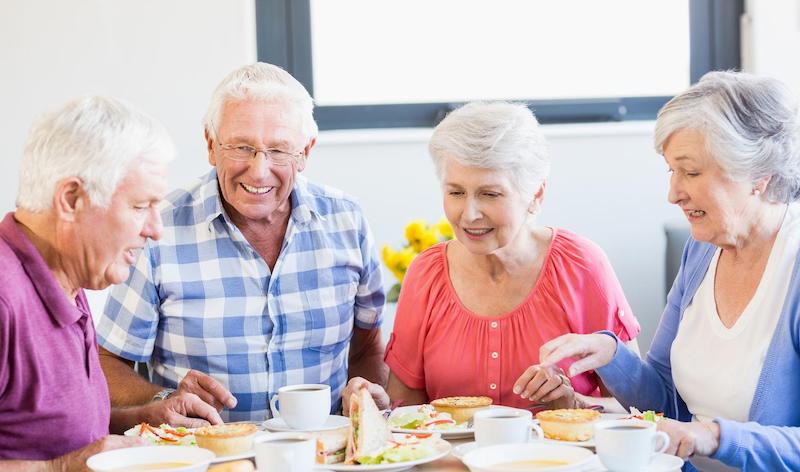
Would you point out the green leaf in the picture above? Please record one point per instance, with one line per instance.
(394, 293)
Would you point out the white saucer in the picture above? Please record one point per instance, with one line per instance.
(333, 422)
(660, 463)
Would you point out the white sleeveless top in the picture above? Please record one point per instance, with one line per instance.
(716, 369)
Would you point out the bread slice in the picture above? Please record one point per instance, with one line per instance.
(461, 409)
(568, 424)
(226, 439)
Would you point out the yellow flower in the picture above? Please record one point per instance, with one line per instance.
(420, 236)
(444, 228)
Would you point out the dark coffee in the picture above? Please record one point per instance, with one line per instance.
(626, 428)
(503, 416)
(286, 441)
(305, 390)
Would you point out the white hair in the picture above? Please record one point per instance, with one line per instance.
(499, 136)
(750, 125)
(266, 82)
(96, 139)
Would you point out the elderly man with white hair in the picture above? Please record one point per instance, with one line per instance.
(91, 176)
(262, 279)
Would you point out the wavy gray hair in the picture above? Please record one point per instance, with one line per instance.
(262, 81)
(96, 139)
(499, 136)
(750, 125)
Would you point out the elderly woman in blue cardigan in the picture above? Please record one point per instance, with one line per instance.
(725, 361)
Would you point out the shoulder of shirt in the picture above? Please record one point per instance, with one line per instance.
(431, 258)
(325, 199)
(10, 275)
(574, 246)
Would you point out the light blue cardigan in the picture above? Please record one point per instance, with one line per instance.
(770, 439)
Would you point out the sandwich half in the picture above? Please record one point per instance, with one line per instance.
(369, 433)
(331, 446)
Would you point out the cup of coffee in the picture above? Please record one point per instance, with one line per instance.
(504, 426)
(628, 445)
(289, 452)
(302, 407)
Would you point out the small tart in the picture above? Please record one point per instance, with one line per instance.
(568, 424)
(461, 409)
(226, 439)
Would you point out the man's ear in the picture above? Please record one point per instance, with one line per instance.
(538, 198)
(306, 154)
(212, 158)
(68, 198)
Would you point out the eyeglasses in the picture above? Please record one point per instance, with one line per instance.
(245, 153)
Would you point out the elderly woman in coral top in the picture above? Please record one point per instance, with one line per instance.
(474, 311)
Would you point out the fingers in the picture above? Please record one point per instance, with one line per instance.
(353, 385)
(561, 391)
(524, 379)
(209, 389)
(379, 395)
(188, 409)
(547, 349)
(590, 350)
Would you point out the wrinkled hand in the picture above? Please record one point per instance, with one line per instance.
(182, 409)
(545, 384)
(688, 439)
(76, 460)
(357, 383)
(208, 389)
(590, 350)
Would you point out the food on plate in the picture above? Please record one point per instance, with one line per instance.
(234, 466)
(568, 424)
(461, 409)
(648, 415)
(164, 434)
(424, 418)
(226, 439)
(331, 446)
(369, 440)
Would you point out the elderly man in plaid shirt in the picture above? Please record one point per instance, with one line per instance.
(261, 279)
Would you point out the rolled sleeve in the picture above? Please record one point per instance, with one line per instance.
(370, 296)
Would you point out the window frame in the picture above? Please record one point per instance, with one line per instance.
(283, 31)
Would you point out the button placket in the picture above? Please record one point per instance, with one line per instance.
(494, 347)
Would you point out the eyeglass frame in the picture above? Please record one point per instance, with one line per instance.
(293, 157)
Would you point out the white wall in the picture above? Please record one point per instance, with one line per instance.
(771, 40)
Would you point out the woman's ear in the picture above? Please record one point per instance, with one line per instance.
(67, 198)
(538, 198)
(760, 185)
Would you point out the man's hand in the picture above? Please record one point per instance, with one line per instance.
(208, 389)
(688, 439)
(357, 383)
(76, 460)
(181, 409)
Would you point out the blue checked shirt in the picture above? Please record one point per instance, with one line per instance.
(202, 298)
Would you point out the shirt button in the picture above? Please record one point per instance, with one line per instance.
(494, 324)
(493, 386)
(495, 355)
(621, 313)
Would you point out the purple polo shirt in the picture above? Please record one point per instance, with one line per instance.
(53, 394)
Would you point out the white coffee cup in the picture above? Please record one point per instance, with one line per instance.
(303, 407)
(504, 426)
(628, 445)
(286, 452)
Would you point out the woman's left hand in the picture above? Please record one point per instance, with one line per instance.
(688, 439)
(545, 384)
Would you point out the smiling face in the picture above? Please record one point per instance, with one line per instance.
(485, 210)
(107, 240)
(721, 210)
(257, 190)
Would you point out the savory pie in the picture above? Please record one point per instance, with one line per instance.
(568, 425)
(461, 409)
(226, 439)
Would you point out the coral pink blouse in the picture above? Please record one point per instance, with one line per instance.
(439, 345)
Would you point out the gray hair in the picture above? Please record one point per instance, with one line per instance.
(750, 125)
(499, 136)
(96, 139)
(261, 81)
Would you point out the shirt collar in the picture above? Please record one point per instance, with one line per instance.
(304, 206)
(55, 301)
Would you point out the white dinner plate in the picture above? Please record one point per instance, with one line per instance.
(333, 422)
(460, 431)
(441, 449)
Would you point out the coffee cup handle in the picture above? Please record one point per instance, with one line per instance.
(665, 442)
(274, 406)
(539, 432)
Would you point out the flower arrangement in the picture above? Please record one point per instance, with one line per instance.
(419, 236)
